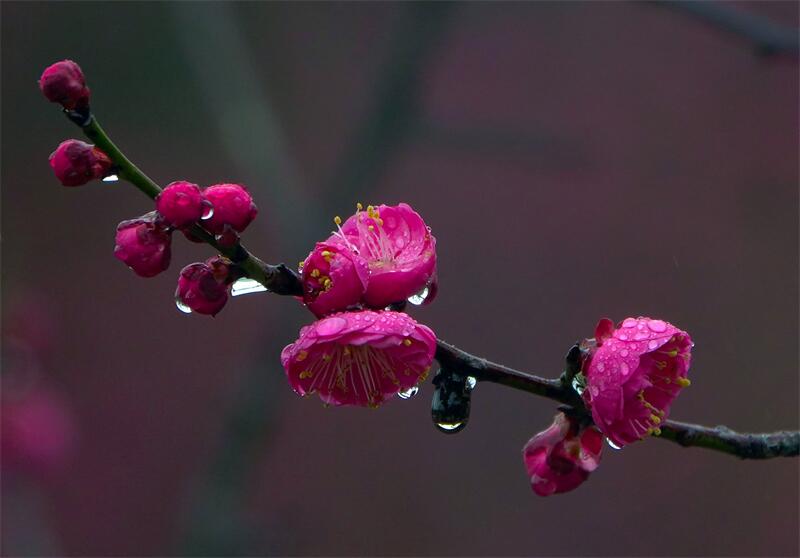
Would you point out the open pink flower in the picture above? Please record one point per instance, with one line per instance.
(359, 358)
(334, 278)
(561, 457)
(633, 375)
(144, 245)
(399, 248)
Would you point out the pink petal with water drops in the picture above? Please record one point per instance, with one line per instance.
(633, 377)
(399, 248)
(359, 358)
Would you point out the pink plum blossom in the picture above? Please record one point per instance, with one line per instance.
(233, 206)
(181, 204)
(144, 245)
(75, 163)
(334, 278)
(63, 83)
(359, 358)
(203, 287)
(399, 248)
(633, 374)
(560, 458)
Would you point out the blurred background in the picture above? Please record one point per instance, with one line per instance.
(575, 160)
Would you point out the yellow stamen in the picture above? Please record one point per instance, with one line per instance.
(407, 342)
(337, 220)
(655, 419)
(305, 374)
(315, 273)
(683, 382)
(359, 206)
(301, 356)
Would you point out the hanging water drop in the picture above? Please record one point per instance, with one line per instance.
(419, 298)
(181, 306)
(450, 427)
(612, 445)
(472, 381)
(111, 178)
(245, 285)
(408, 393)
(451, 401)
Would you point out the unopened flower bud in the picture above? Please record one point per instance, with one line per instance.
(63, 83)
(203, 287)
(75, 163)
(233, 206)
(143, 244)
(561, 458)
(180, 204)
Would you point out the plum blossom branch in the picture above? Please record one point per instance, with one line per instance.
(284, 281)
(719, 438)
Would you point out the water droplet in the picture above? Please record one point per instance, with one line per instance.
(450, 427)
(623, 352)
(111, 178)
(245, 285)
(472, 381)
(630, 322)
(612, 445)
(623, 337)
(652, 344)
(418, 298)
(409, 393)
(657, 325)
(601, 366)
(624, 368)
(182, 307)
(208, 211)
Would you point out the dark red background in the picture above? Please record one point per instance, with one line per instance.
(574, 160)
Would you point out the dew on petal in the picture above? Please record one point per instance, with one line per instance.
(658, 326)
(652, 344)
(331, 326)
(630, 322)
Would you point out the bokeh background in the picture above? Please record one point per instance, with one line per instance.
(575, 160)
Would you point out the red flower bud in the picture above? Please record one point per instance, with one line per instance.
(75, 163)
(63, 83)
(233, 206)
(143, 244)
(181, 204)
(203, 287)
